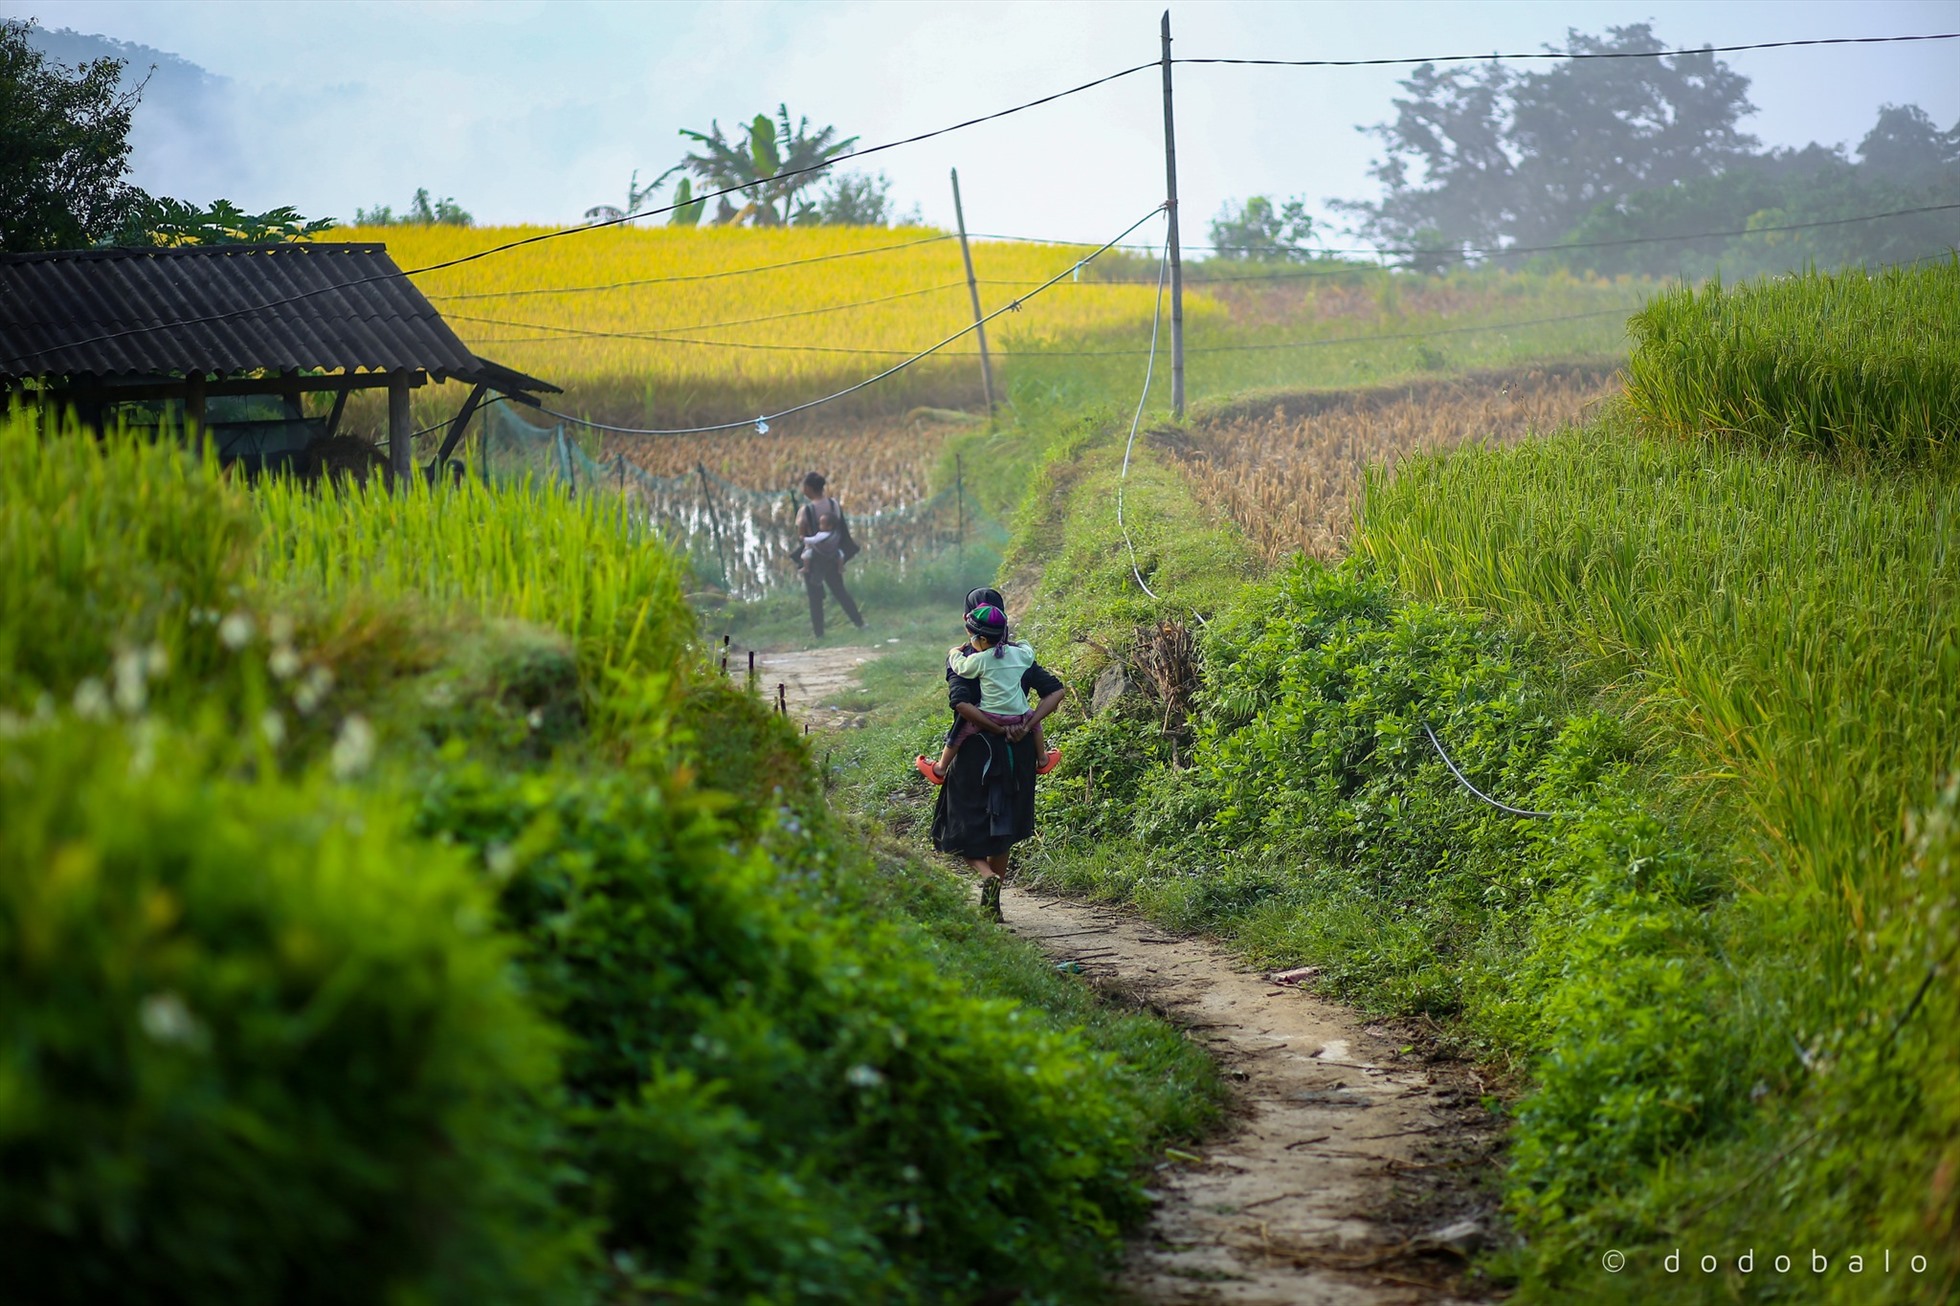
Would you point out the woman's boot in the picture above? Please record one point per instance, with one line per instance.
(990, 899)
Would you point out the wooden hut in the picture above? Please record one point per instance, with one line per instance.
(226, 339)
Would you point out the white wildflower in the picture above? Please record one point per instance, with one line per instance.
(313, 690)
(167, 1020)
(353, 748)
(862, 1076)
(91, 700)
(235, 631)
(273, 727)
(132, 684)
(284, 663)
(501, 860)
(145, 734)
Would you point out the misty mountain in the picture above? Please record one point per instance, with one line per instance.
(185, 138)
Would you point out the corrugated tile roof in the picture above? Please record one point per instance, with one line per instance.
(222, 309)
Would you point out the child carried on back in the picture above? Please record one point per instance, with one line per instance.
(824, 541)
(999, 663)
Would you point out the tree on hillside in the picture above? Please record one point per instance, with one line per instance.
(422, 211)
(1257, 230)
(64, 136)
(1905, 169)
(856, 199)
(1904, 146)
(769, 159)
(1482, 155)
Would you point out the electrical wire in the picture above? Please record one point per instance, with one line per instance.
(761, 421)
(1122, 479)
(658, 333)
(1092, 353)
(1576, 54)
(541, 237)
(1464, 780)
(694, 276)
(1493, 251)
(561, 232)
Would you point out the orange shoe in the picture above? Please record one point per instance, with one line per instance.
(929, 769)
(1050, 762)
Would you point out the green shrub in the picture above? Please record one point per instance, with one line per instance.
(108, 547)
(1843, 363)
(260, 1046)
(772, 1097)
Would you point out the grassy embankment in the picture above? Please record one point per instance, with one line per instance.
(1713, 635)
(393, 904)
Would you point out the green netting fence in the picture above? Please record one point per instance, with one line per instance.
(737, 539)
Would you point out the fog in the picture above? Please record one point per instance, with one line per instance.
(532, 112)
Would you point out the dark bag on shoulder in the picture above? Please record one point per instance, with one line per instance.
(847, 547)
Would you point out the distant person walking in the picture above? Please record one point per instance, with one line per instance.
(826, 546)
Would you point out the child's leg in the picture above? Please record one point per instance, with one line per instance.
(1046, 759)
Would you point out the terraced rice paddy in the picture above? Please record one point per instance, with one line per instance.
(1287, 469)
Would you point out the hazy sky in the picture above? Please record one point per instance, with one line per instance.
(533, 111)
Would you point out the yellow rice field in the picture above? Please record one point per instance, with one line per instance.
(637, 324)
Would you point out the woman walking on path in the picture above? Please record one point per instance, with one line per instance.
(986, 804)
(823, 552)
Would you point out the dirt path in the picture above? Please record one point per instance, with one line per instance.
(809, 679)
(1344, 1175)
(1345, 1164)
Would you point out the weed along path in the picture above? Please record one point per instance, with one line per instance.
(1347, 1172)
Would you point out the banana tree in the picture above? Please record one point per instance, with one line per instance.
(770, 162)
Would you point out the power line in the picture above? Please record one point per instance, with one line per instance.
(1123, 477)
(657, 333)
(958, 126)
(541, 237)
(1097, 353)
(1500, 250)
(1576, 54)
(764, 419)
(694, 276)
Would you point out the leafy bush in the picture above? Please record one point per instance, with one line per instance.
(261, 1047)
(770, 1096)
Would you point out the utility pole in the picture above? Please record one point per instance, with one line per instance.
(1177, 262)
(973, 291)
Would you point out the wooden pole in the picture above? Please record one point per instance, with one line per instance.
(714, 521)
(193, 408)
(959, 497)
(400, 456)
(457, 426)
(973, 291)
(1177, 262)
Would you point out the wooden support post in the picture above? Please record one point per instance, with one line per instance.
(193, 405)
(401, 458)
(714, 521)
(959, 498)
(1176, 258)
(973, 292)
(457, 426)
(333, 418)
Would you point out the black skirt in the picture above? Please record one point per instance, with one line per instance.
(986, 805)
